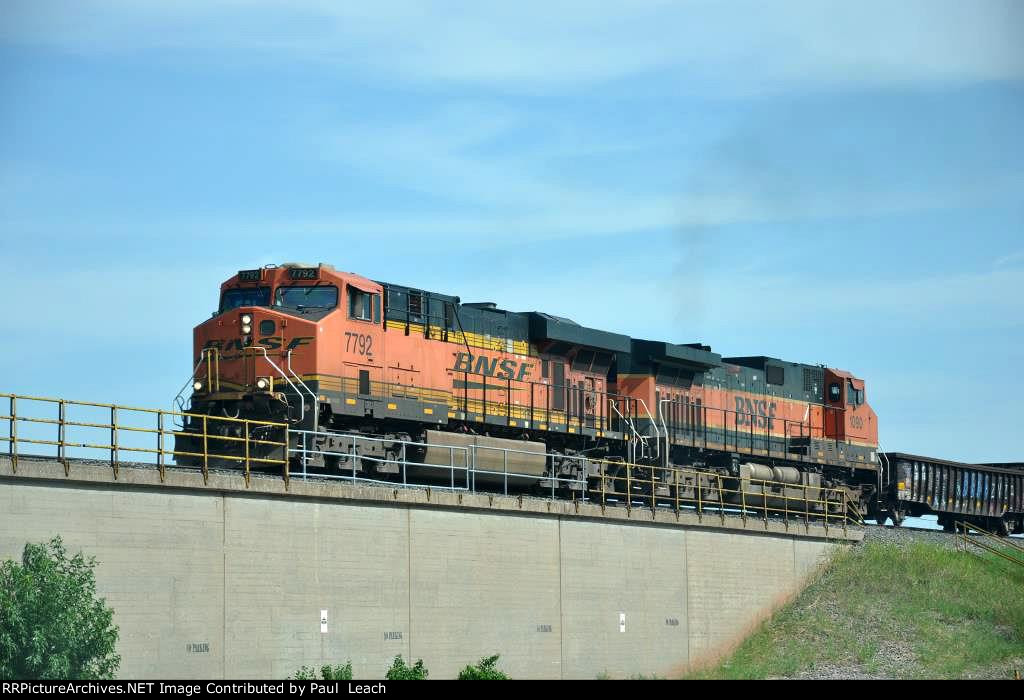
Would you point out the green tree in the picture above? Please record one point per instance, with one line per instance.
(52, 625)
(484, 671)
(327, 673)
(399, 671)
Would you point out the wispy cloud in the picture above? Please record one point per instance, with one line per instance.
(1011, 259)
(740, 46)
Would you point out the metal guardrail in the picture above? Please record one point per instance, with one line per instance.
(213, 441)
(244, 445)
(984, 541)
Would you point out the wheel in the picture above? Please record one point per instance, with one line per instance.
(880, 517)
(898, 516)
(1004, 528)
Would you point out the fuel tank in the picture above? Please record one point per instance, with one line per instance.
(489, 459)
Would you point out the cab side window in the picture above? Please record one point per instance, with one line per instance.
(854, 397)
(359, 304)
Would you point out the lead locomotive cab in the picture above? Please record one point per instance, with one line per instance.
(848, 417)
(270, 351)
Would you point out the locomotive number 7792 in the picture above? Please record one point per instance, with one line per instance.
(359, 343)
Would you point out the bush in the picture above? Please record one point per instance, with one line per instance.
(484, 671)
(327, 673)
(400, 672)
(52, 626)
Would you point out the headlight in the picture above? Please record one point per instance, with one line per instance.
(246, 319)
(246, 329)
(262, 384)
(198, 386)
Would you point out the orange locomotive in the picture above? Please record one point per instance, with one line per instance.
(335, 354)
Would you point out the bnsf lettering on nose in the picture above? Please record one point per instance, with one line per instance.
(492, 367)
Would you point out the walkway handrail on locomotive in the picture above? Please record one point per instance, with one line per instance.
(964, 540)
(637, 437)
(178, 399)
(302, 399)
(568, 393)
(118, 430)
(696, 433)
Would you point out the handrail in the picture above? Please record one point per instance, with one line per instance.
(302, 402)
(224, 442)
(191, 380)
(964, 540)
(654, 423)
(213, 440)
(629, 421)
(316, 410)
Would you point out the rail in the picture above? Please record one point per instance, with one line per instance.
(1003, 548)
(109, 432)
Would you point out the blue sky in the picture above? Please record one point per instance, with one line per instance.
(839, 183)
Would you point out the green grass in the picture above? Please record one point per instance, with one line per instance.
(913, 611)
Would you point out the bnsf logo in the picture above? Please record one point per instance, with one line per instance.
(757, 414)
(490, 367)
(237, 345)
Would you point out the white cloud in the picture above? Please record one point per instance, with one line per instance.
(740, 46)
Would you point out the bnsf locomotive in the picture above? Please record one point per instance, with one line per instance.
(335, 354)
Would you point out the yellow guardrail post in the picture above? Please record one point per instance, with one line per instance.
(13, 445)
(284, 450)
(245, 427)
(61, 437)
(604, 486)
(675, 472)
(698, 487)
(113, 441)
(654, 492)
(785, 504)
(721, 498)
(846, 511)
(206, 452)
(807, 508)
(826, 509)
(160, 457)
(629, 487)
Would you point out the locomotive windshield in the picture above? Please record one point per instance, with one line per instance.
(235, 298)
(316, 297)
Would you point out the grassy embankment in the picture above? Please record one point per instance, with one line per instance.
(883, 610)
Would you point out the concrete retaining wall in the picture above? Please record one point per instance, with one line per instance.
(230, 583)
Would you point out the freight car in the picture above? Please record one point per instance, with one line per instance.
(989, 496)
(332, 353)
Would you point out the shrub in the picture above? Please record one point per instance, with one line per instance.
(484, 671)
(327, 673)
(399, 671)
(52, 625)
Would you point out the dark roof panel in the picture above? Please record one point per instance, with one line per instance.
(546, 327)
(693, 356)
